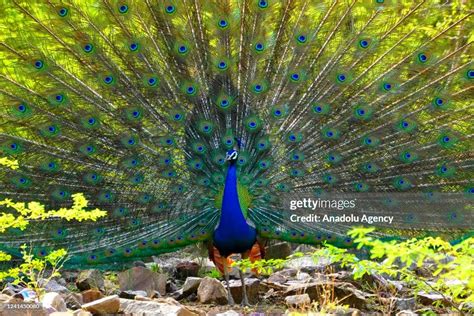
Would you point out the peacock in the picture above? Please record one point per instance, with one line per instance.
(194, 121)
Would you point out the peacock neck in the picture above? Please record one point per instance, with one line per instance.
(231, 211)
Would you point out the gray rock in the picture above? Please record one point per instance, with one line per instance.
(90, 279)
(346, 293)
(402, 304)
(132, 294)
(278, 278)
(12, 289)
(54, 286)
(91, 295)
(139, 264)
(186, 269)
(152, 308)
(252, 286)
(406, 313)
(429, 298)
(211, 290)
(142, 279)
(54, 301)
(106, 305)
(191, 285)
(298, 301)
(278, 251)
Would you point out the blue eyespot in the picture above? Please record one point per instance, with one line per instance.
(88, 48)
(364, 43)
(422, 57)
(263, 4)
(182, 49)
(301, 39)
(446, 139)
(222, 65)
(405, 124)
(277, 112)
(318, 109)
(470, 74)
(108, 79)
(13, 146)
(151, 81)
(360, 112)
(341, 78)
(439, 101)
(408, 155)
(295, 77)
(22, 180)
(259, 47)
(63, 12)
(169, 141)
(135, 114)
(190, 90)
(39, 64)
(59, 97)
(387, 86)
(123, 8)
(91, 121)
(177, 116)
(133, 47)
(21, 108)
(223, 23)
(368, 141)
(170, 9)
(258, 88)
(252, 124)
(52, 129)
(131, 141)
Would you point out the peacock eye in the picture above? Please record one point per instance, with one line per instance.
(123, 8)
(62, 12)
(170, 9)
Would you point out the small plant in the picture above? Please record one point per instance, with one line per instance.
(213, 273)
(155, 267)
(36, 272)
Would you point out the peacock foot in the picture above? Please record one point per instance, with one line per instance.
(230, 300)
(245, 303)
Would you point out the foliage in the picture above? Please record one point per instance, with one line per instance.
(35, 210)
(36, 272)
(155, 267)
(213, 273)
(12, 164)
(451, 267)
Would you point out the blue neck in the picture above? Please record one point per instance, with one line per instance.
(231, 211)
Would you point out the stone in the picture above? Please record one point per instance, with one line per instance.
(152, 308)
(429, 298)
(346, 293)
(303, 276)
(81, 312)
(106, 305)
(91, 295)
(142, 279)
(277, 278)
(55, 301)
(54, 286)
(402, 304)
(11, 289)
(139, 264)
(90, 279)
(406, 313)
(4, 298)
(132, 294)
(298, 301)
(73, 300)
(228, 313)
(70, 313)
(186, 269)
(28, 295)
(70, 276)
(171, 287)
(191, 285)
(211, 290)
(278, 251)
(252, 285)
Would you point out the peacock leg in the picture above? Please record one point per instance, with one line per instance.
(245, 300)
(230, 299)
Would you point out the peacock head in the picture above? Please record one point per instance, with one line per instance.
(231, 155)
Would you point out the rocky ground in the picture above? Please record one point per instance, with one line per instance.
(181, 284)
